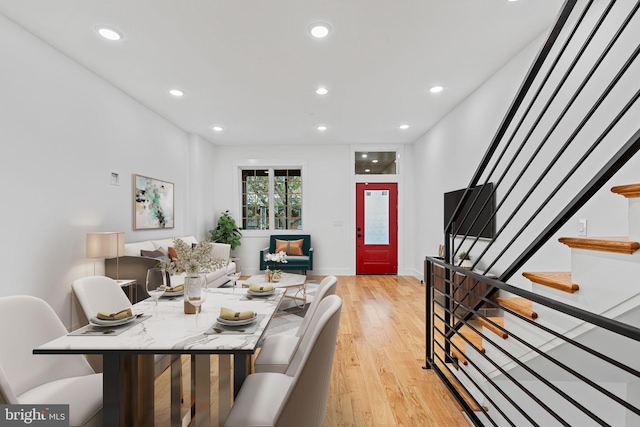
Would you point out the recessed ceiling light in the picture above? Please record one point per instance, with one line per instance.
(364, 155)
(322, 91)
(176, 92)
(403, 127)
(109, 33)
(374, 161)
(436, 89)
(322, 128)
(217, 128)
(320, 30)
(367, 170)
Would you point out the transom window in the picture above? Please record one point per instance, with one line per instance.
(271, 199)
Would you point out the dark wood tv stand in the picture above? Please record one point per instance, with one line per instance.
(461, 293)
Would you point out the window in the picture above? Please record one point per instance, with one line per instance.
(271, 199)
(376, 163)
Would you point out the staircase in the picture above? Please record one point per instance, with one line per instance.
(493, 360)
(566, 352)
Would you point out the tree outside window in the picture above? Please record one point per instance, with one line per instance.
(279, 198)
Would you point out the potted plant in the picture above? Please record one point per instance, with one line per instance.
(226, 231)
(466, 260)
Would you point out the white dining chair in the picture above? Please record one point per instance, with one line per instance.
(28, 322)
(101, 293)
(299, 396)
(278, 350)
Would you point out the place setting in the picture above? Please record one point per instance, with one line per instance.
(172, 292)
(235, 322)
(264, 292)
(106, 323)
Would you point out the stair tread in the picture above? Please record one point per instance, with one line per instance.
(607, 244)
(474, 339)
(628, 191)
(520, 305)
(498, 321)
(463, 391)
(560, 280)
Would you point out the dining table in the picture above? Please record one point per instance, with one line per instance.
(128, 353)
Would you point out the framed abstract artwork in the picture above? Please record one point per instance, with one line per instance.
(152, 203)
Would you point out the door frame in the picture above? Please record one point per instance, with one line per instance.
(361, 188)
(402, 211)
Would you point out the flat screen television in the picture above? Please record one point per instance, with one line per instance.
(485, 193)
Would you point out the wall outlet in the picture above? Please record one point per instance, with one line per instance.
(582, 227)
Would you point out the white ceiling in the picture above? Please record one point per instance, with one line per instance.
(251, 67)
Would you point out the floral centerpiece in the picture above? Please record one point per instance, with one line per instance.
(192, 260)
(277, 259)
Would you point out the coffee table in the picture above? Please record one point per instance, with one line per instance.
(295, 286)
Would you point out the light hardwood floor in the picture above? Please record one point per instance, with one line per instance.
(377, 377)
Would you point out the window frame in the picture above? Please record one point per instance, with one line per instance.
(271, 166)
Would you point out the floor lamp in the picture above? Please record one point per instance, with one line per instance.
(105, 244)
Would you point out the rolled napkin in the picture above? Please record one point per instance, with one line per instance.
(177, 288)
(122, 314)
(260, 288)
(228, 314)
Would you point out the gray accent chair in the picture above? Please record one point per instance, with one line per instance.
(100, 293)
(30, 379)
(278, 350)
(299, 396)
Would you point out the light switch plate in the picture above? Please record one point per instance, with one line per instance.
(582, 227)
(115, 178)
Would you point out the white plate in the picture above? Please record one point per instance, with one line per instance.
(168, 294)
(261, 294)
(236, 322)
(99, 322)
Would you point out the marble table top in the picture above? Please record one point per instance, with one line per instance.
(172, 331)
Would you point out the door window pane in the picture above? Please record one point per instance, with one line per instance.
(376, 217)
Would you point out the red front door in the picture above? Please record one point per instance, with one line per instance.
(377, 228)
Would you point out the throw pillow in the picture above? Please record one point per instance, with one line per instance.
(282, 246)
(295, 247)
(173, 255)
(290, 247)
(157, 254)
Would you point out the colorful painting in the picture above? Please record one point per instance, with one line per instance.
(153, 203)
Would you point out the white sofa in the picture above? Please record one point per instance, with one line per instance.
(133, 265)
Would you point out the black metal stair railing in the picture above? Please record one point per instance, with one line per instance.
(576, 112)
(533, 408)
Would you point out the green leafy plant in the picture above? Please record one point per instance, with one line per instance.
(227, 231)
(464, 255)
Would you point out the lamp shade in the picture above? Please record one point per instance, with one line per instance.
(108, 244)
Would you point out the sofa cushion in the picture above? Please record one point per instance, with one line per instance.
(162, 244)
(189, 240)
(290, 247)
(294, 260)
(157, 254)
(133, 249)
(220, 251)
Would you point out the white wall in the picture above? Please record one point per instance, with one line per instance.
(63, 131)
(446, 157)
